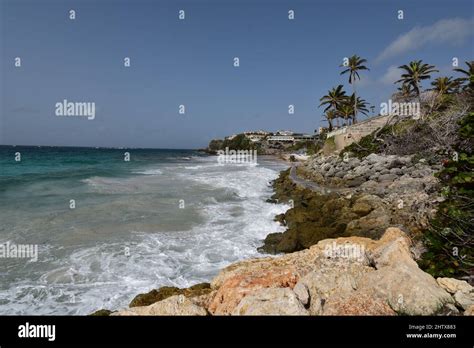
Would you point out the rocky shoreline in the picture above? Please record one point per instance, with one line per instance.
(354, 198)
(350, 247)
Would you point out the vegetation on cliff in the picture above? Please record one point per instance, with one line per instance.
(450, 238)
(238, 142)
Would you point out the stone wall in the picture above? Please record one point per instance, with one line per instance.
(347, 135)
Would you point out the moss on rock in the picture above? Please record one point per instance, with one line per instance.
(164, 292)
(101, 313)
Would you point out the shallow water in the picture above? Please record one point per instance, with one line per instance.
(167, 217)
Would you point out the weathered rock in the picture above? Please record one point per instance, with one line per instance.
(387, 177)
(374, 158)
(234, 284)
(393, 248)
(323, 283)
(302, 292)
(101, 313)
(356, 181)
(374, 177)
(356, 304)
(452, 285)
(174, 305)
(407, 289)
(396, 171)
(371, 225)
(275, 301)
(271, 243)
(463, 299)
(164, 292)
(353, 162)
(343, 276)
(399, 281)
(469, 310)
(366, 204)
(463, 292)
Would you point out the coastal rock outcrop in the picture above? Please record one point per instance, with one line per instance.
(355, 197)
(462, 292)
(174, 305)
(342, 276)
(164, 292)
(234, 283)
(277, 301)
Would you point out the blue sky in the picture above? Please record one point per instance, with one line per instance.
(190, 62)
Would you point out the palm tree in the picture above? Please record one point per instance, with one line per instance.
(415, 72)
(334, 98)
(469, 72)
(346, 111)
(359, 103)
(330, 116)
(444, 85)
(354, 65)
(404, 91)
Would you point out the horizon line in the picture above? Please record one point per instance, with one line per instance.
(103, 147)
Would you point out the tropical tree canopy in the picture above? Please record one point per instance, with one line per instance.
(414, 73)
(360, 104)
(469, 74)
(405, 90)
(346, 111)
(354, 65)
(334, 97)
(330, 116)
(444, 85)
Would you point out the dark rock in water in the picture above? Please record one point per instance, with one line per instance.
(271, 242)
(101, 313)
(284, 187)
(281, 219)
(164, 292)
(316, 216)
(289, 242)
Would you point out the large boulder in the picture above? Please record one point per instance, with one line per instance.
(365, 204)
(324, 282)
(277, 301)
(464, 300)
(343, 276)
(452, 285)
(371, 225)
(233, 285)
(406, 289)
(357, 303)
(399, 281)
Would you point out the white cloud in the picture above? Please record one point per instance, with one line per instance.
(453, 31)
(364, 81)
(391, 75)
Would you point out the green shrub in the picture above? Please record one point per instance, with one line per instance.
(449, 239)
(364, 147)
(311, 147)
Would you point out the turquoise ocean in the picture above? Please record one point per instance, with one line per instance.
(166, 217)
